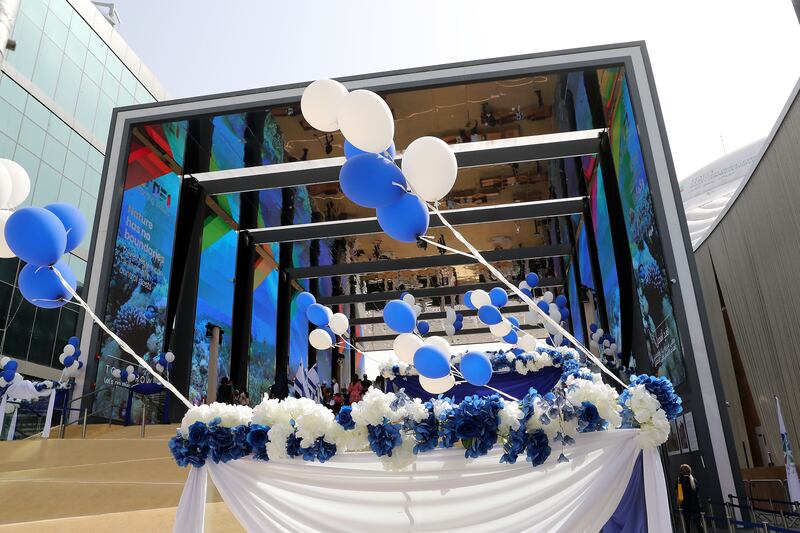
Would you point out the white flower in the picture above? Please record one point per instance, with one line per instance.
(440, 407)
(416, 410)
(271, 413)
(603, 396)
(228, 415)
(510, 356)
(402, 456)
(510, 416)
(348, 440)
(276, 447)
(312, 424)
(373, 408)
(520, 367)
(643, 404)
(199, 413)
(654, 432)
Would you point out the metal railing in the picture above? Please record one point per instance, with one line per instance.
(732, 517)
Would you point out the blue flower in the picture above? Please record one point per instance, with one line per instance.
(563, 458)
(293, 448)
(538, 447)
(257, 438)
(514, 445)
(476, 423)
(384, 438)
(227, 444)
(198, 434)
(320, 450)
(186, 454)
(426, 432)
(345, 417)
(589, 418)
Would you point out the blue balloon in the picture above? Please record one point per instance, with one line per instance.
(468, 300)
(528, 293)
(11, 365)
(403, 294)
(564, 313)
(498, 296)
(549, 341)
(74, 341)
(369, 180)
(514, 321)
(459, 317)
(80, 365)
(404, 220)
(41, 287)
(123, 375)
(352, 151)
(490, 315)
(69, 360)
(423, 327)
(77, 353)
(565, 342)
(517, 351)
(431, 362)
(73, 221)
(458, 326)
(399, 316)
(532, 279)
(561, 301)
(304, 300)
(330, 333)
(512, 337)
(8, 375)
(36, 236)
(476, 368)
(318, 314)
(544, 306)
(593, 327)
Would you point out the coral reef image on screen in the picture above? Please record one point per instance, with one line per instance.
(138, 285)
(649, 272)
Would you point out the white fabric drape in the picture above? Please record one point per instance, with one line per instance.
(441, 492)
(12, 427)
(48, 419)
(655, 489)
(191, 515)
(26, 390)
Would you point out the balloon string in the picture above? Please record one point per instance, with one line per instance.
(443, 247)
(122, 343)
(477, 255)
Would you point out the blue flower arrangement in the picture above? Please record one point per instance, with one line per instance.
(662, 389)
(589, 418)
(321, 451)
(476, 423)
(426, 432)
(258, 438)
(345, 417)
(384, 438)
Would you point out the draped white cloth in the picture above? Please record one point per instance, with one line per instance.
(441, 492)
(26, 390)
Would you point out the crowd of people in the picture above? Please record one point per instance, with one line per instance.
(332, 395)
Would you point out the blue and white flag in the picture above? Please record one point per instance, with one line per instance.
(306, 383)
(792, 481)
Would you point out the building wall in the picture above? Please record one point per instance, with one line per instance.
(755, 255)
(57, 92)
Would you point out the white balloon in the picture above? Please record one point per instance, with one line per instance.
(556, 316)
(501, 329)
(3, 382)
(552, 308)
(409, 299)
(599, 332)
(4, 361)
(366, 121)
(430, 167)
(606, 343)
(449, 330)
(169, 356)
(320, 104)
(115, 372)
(480, 298)
(548, 297)
(61, 358)
(532, 318)
(130, 369)
(524, 285)
(440, 343)
(69, 349)
(5, 251)
(131, 378)
(20, 183)
(551, 329)
(439, 385)
(450, 315)
(320, 339)
(613, 347)
(339, 323)
(557, 338)
(527, 342)
(417, 309)
(159, 368)
(405, 346)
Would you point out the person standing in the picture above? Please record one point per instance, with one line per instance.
(335, 386)
(366, 383)
(225, 390)
(689, 499)
(280, 389)
(354, 390)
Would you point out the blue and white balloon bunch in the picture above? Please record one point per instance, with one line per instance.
(8, 373)
(529, 283)
(70, 357)
(41, 236)
(125, 375)
(370, 177)
(329, 324)
(164, 361)
(454, 321)
(603, 343)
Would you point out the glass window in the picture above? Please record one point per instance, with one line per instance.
(93, 68)
(69, 83)
(56, 30)
(18, 332)
(95, 160)
(10, 119)
(142, 96)
(31, 136)
(27, 36)
(78, 145)
(97, 47)
(87, 103)
(44, 336)
(47, 67)
(88, 206)
(29, 162)
(7, 146)
(124, 98)
(114, 65)
(46, 189)
(74, 168)
(54, 153)
(80, 29)
(78, 266)
(67, 325)
(110, 86)
(75, 49)
(69, 193)
(8, 273)
(91, 181)
(102, 119)
(13, 93)
(128, 80)
(38, 113)
(36, 10)
(62, 10)
(59, 130)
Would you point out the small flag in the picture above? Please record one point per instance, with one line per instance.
(792, 481)
(306, 383)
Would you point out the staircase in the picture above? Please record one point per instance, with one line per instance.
(112, 480)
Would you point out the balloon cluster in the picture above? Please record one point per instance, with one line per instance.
(164, 361)
(8, 373)
(603, 343)
(126, 375)
(370, 177)
(70, 357)
(40, 236)
(454, 321)
(329, 324)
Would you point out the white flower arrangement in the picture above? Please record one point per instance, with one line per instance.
(602, 395)
(510, 417)
(228, 415)
(374, 407)
(653, 424)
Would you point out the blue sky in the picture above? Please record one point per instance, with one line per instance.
(723, 68)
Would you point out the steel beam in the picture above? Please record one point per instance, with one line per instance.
(437, 314)
(500, 151)
(429, 261)
(457, 217)
(473, 331)
(431, 292)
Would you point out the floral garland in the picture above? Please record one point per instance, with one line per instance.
(396, 428)
(516, 360)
